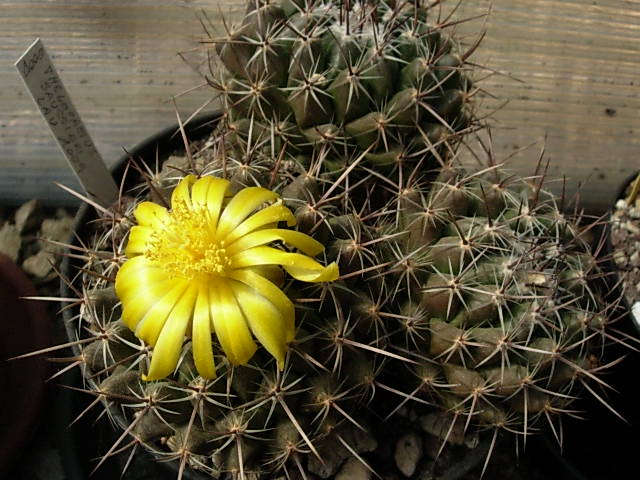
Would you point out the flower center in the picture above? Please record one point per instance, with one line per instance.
(186, 245)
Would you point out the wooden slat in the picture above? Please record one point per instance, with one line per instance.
(577, 65)
(569, 69)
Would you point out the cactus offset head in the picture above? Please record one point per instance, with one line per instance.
(386, 80)
(506, 300)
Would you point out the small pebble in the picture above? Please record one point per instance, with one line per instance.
(56, 230)
(625, 238)
(332, 458)
(10, 241)
(62, 213)
(40, 264)
(353, 469)
(632, 227)
(28, 216)
(620, 258)
(408, 453)
(439, 425)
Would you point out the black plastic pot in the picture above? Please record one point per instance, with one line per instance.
(602, 446)
(85, 441)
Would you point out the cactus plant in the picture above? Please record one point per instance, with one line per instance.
(504, 303)
(473, 296)
(467, 294)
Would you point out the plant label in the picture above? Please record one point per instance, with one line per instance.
(53, 101)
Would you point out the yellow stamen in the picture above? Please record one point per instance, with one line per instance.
(186, 247)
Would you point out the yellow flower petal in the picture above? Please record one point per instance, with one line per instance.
(262, 286)
(152, 323)
(329, 273)
(297, 265)
(266, 256)
(299, 240)
(241, 206)
(167, 349)
(209, 192)
(149, 214)
(265, 218)
(273, 273)
(215, 199)
(201, 335)
(230, 325)
(138, 238)
(266, 321)
(181, 194)
(136, 273)
(136, 305)
(199, 191)
(139, 285)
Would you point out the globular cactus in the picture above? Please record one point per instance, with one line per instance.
(472, 296)
(387, 80)
(180, 363)
(468, 294)
(501, 300)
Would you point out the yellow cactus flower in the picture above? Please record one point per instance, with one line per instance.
(206, 266)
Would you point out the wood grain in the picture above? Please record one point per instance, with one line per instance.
(561, 73)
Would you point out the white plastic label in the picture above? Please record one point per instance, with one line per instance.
(51, 98)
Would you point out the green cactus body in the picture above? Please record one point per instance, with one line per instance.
(475, 299)
(253, 420)
(505, 292)
(379, 79)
